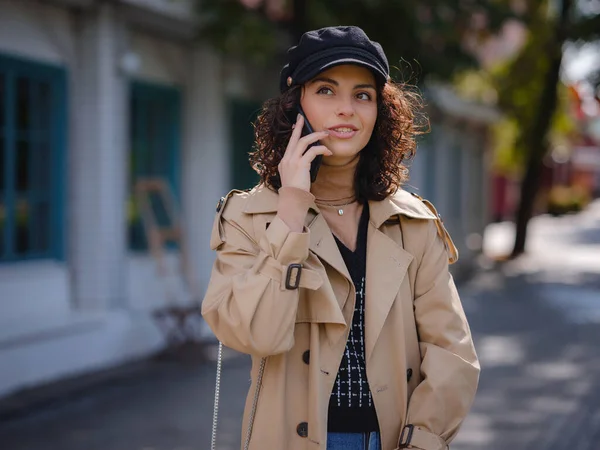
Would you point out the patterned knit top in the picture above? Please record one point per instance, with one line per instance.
(351, 407)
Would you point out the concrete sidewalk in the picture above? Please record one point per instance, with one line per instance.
(536, 326)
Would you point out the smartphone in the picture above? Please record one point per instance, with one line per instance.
(316, 163)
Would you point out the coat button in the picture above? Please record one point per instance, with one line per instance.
(409, 373)
(220, 204)
(302, 429)
(306, 357)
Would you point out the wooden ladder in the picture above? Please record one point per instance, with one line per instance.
(180, 319)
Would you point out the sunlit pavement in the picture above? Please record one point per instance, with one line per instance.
(536, 324)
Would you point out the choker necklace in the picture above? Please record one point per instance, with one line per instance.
(340, 206)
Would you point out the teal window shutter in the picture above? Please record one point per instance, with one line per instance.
(242, 113)
(32, 160)
(155, 134)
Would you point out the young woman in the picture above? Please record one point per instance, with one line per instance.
(339, 289)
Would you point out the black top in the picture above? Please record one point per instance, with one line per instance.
(351, 408)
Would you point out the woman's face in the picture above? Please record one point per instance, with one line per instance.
(342, 100)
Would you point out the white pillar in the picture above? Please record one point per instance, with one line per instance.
(417, 168)
(442, 146)
(206, 164)
(471, 184)
(485, 162)
(98, 163)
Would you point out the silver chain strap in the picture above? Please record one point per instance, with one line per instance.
(261, 370)
(213, 438)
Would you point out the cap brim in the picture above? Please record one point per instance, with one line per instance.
(339, 62)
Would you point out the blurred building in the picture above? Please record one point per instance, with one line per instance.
(452, 168)
(93, 95)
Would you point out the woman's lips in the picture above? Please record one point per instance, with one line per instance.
(342, 132)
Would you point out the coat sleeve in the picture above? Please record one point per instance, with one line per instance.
(247, 304)
(449, 364)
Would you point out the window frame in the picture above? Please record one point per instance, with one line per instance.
(13, 67)
(172, 95)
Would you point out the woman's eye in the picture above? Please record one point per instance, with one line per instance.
(325, 90)
(363, 96)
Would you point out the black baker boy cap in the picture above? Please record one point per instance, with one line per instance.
(322, 49)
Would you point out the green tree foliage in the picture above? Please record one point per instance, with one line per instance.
(428, 36)
(520, 85)
(530, 92)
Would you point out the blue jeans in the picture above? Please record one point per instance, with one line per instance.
(353, 441)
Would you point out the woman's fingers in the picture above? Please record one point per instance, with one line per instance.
(305, 141)
(298, 144)
(295, 136)
(294, 167)
(312, 152)
(300, 164)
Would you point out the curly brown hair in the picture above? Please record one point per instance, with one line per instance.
(382, 166)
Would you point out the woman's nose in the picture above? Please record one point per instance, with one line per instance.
(345, 108)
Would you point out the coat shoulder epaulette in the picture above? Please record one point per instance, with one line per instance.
(217, 237)
(442, 231)
(223, 200)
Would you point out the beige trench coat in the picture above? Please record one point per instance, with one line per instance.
(420, 360)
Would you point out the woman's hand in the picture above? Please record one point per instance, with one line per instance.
(294, 168)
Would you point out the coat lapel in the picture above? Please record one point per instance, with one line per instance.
(387, 265)
(323, 244)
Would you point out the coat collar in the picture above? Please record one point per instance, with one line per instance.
(262, 200)
(387, 262)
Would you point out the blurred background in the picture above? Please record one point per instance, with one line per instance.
(122, 124)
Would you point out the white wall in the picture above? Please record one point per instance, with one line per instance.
(69, 346)
(32, 288)
(36, 31)
(161, 61)
(207, 155)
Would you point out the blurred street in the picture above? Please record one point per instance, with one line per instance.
(536, 323)
(123, 122)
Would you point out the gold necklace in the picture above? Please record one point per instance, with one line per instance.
(335, 205)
